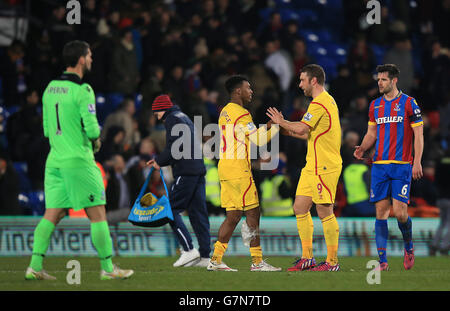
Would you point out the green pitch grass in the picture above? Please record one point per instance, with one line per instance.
(157, 274)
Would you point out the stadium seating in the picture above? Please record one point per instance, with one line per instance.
(316, 49)
(107, 103)
(378, 52)
(101, 107)
(37, 202)
(329, 65)
(22, 172)
(32, 202)
(24, 203)
(138, 101)
(1, 91)
(336, 51)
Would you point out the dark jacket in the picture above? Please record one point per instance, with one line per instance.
(186, 164)
(9, 192)
(113, 191)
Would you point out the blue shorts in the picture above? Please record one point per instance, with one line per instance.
(390, 180)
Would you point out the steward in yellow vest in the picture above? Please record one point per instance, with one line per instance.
(212, 187)
(356, 178)
(273, 203)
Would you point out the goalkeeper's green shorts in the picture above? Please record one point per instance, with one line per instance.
(75, 188)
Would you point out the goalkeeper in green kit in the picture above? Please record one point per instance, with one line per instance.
(72, 178)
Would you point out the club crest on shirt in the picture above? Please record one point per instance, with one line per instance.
(307, 116)
(397, 107)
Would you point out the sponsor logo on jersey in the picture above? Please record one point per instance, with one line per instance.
(394, 119)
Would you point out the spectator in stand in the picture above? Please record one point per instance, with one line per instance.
(343, 89)
(359, 116)
(192, 76)
(59, 30)
(436, 66)
(378, 33)
(118, 204)
(87, 30)
(351, 140)
(101, 48)
(159, 28)
(198, 105)
(12, 70)
(441, 21)
(172, 47)
(124, 75)
(113, 144)
(212, 107)
(299, 55)
(273, 28)
(144, 26)
(263, 83)
(29, 135)
(124, 117)
(113, 20)
(24, 126)
(9, 188)
(213, 32)
(3, 139)
(43, 61)
(401, 55)
(289, 34)
(136, 165)
(279, 62)
(361, 61)
(152, 87)
(174, 86)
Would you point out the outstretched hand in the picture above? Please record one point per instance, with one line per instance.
(275, 115)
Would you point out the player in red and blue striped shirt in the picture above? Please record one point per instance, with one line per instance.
(395, 125)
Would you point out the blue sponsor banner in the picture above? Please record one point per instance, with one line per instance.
(279, 237)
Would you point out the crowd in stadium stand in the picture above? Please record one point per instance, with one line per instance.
(187, 48)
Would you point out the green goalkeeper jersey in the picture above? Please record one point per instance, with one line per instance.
(70, 122)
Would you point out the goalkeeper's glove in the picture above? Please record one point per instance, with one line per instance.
(96, 144)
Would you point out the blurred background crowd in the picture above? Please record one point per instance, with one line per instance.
(187, 48)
